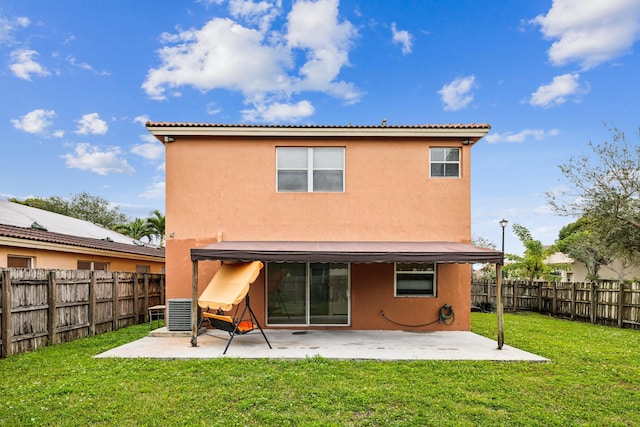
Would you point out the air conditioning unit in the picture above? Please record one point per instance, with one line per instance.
(180, 310)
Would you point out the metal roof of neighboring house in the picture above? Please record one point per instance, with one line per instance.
(24, 222)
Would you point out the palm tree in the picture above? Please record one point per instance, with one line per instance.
(156, 224)
(136, 229)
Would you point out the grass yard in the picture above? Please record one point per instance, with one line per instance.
(593, 380)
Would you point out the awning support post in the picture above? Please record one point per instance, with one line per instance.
(499, 306)
(194, 302)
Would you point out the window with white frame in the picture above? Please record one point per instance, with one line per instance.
(17, 261)
(307, 169)
(93, 265)
(415, 279)
(445, 162)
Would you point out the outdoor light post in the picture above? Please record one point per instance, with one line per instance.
(499, 279)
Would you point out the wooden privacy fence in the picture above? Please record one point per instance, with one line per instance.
(42, 307)
(604, 302)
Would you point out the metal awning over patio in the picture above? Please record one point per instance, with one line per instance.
(353, 251)
(357, 251)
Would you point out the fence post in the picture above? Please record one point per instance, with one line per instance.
(554, 300)
(621, 305)
(146, 297)
(573, 300)
(114, 296)
(134, 289)
(6, 312)
(92, 303)
(539, 297)
(592, 307)
(53, 310)
(162, 295)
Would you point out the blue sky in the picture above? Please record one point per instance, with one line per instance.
(79, 79)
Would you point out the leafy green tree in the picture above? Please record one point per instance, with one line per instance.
(137, 229)
(52, 204)
(486, 271)
(156, 223)
(605, 189)
(532, 264)
(583, 243)
(82, 206)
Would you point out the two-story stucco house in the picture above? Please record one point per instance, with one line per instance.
(362, 227)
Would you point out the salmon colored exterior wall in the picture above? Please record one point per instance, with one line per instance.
(50, 259)
(225, 188)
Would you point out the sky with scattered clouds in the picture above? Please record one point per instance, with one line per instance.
(79, 79)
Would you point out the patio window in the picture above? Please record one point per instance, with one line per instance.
(415, 279)
(313, 170)
(307, 293)
(445, 162)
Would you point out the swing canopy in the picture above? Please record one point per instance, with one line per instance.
(229, 285)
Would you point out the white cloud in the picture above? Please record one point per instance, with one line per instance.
(556, 92)
(88, 157)
(23, 65)
(256, 60)
(23, 21)
(590, 32)
(213, 108)
(92, 124)
(537, 134)
(83, 65)
(402, 38)
(457, 94)
(142, 119)
(260, 13)
(276, 112)
(222, 54)
(152, 150)
(8, 26)
(314, 28)
(155, 191)
(36, 121)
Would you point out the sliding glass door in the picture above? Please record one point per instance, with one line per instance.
(308, 294)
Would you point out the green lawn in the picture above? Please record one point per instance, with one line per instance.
(593, 379)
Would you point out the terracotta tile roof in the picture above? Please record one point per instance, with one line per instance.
(83, 242)
(383, 126)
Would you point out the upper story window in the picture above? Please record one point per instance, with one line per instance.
(445, 162)
(415, 279)
(302, 169)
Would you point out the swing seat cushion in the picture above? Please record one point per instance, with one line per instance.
(226, 323)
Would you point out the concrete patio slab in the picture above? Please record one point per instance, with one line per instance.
(345, 345)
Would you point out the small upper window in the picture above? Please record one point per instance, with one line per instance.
(415, 279)
(445, 162)
(301, 169)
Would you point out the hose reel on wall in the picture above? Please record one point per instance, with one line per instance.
(446, 316)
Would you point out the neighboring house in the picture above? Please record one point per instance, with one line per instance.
(362, 227)
(577, 271)
(35, 238)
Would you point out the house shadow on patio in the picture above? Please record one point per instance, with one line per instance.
(343, 345)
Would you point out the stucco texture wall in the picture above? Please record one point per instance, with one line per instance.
(226, 189)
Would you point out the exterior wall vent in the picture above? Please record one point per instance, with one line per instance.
(179, 314)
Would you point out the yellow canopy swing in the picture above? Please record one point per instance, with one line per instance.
(229, 286)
